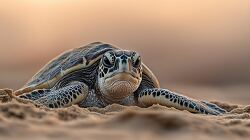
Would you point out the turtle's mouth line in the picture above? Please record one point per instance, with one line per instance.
(122, 74)
(122, 77)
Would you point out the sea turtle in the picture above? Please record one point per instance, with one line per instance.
(100, 74)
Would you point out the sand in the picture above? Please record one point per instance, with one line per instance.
(22, 121)
(205, 43)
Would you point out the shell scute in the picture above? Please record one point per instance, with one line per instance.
(57, 67)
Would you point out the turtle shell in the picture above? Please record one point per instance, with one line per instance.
(65, 63)
(70, 61)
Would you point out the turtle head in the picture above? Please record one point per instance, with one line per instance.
(120, 74)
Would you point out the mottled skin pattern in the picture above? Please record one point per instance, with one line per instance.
(98, 75)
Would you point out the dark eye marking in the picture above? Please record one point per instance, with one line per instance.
(106, 62)
(137, 62)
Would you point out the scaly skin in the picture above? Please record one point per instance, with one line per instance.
(99, 75)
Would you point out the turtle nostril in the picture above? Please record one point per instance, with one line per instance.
(124, 61)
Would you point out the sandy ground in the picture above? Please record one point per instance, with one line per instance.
(205, 43)
(22, 121)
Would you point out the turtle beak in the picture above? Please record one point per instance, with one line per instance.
(125, 66)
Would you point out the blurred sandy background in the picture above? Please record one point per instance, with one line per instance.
(199, 48)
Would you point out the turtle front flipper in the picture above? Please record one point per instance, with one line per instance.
(36, 94)
(66, 96)
(167, 98)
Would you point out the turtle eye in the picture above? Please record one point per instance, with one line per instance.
(137, 62)
(107, 62)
